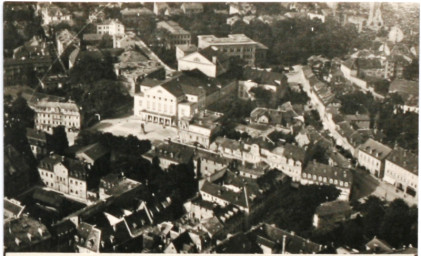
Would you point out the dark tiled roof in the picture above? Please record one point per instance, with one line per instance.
(375, 149)
(328, 172)
(293, 244)
(14, 208)
(50, 198)
(173, 151)
(36, 134)
(76, 168)
(49, 162)
(94, 151)
(404, 159)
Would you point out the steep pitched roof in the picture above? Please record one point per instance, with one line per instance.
(404, 159)
(375, 149)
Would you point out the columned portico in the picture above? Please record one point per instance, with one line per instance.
(156, 118)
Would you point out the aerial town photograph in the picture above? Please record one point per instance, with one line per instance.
(211, 127)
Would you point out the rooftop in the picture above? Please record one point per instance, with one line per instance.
(94, 151)
(404, 159)
(231, 39)
(331, 173)
(23, 233)
(172, 27)
(375, 149)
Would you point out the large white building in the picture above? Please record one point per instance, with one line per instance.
(372, 155)
(181, 96)
(401, 170)
(209, 61)
(236, 45)
(110, 27)
(49, 114)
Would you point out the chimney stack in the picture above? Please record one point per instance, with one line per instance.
(214, 59)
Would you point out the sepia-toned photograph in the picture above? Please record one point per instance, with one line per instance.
(210, 127)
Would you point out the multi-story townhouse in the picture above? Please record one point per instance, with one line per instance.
(170, 154)
(64, 175)
(192, 8)
(199, 129)
(207, 162)
(289, 159)
(372, 155)
(322, 174)
(236, 45)
(49, 114)
(176, 34)
(401, 170)
(110, 27)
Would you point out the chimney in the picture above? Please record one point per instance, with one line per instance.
(214, 59)
(29, 237)
(17, 241)
(40, 231)
(284, 237)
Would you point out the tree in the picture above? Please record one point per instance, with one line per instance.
(411, 72)
(396, 224)
(92, 67)
(59, 142)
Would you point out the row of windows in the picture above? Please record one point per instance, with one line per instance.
(370, 160)
(237, 50)
(57, 123)
(46, 174)
(401, 178)
(159, 98)
(324, 179)
(58, 116)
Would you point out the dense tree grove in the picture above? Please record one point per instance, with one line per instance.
(295, 211)
(396, 223)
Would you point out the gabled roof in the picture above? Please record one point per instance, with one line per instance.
(329, 172)
(375, 149)
(94, 151)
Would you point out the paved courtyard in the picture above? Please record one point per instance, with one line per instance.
(132, 126)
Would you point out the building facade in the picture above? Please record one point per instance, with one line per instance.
(401, 170)
(176, 34)
(372, 155)
(235, 45)
(50, 114)
(110, 27)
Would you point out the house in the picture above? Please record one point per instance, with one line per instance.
(322, 174)
(372, 155)
(26, 235)
(182, 244)
(17, 173)
(95, 157)
(166, 102)
(176, 34)
(250, 196)
(192, 8)
(408, 90)
(241, 8)
(12, 209)
(38, 141)
(273, 240)
(401, 170)
(209, 61)
(50, 114)
(330, 213)
(110, 27)
(63, 236)
(52, 14)
(200, 129)
(377, 245)
(65, 39)
(207, 163)
(275, 117)
(289, 159)
(236, 45)
(359, 121)
(134, 16)
(170, 154)
(115, 184)
(64, 175)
